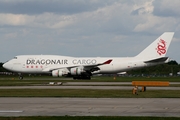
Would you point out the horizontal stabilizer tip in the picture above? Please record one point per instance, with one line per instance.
(163, 59)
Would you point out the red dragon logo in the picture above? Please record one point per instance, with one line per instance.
(161, 47)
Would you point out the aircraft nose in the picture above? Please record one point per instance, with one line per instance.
(6, 66)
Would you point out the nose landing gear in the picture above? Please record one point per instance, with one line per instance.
(20, 76)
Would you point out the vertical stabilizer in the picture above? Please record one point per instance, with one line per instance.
(158, 48)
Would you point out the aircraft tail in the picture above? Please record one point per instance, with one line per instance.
(158, 48)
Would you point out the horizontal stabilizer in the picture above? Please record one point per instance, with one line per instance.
(162, 59)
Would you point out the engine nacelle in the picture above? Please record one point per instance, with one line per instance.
(59, 72)
(77, 71)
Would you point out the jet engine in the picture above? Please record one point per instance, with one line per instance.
(60, 72)
(77, 71)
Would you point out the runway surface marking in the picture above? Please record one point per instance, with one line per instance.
(9, 111)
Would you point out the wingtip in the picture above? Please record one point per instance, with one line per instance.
(108, 61)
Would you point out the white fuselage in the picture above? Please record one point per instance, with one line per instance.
(46, 63)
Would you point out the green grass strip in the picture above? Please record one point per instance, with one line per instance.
(88, 93)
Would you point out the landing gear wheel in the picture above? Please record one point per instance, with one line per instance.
(20, 77)
(82, 77)
(88, 78)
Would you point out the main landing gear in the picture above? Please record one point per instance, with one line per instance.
(20, 77)
(82, 77)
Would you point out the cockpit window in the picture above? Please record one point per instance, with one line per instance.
(15, 57)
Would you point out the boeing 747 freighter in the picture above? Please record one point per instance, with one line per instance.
(85, 67)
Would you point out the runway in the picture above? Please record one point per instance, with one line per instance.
(162, 107)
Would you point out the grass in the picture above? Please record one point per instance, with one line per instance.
(88, 93)
(32, 81)
(87, 118)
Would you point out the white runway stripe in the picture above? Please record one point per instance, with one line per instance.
(10, 111)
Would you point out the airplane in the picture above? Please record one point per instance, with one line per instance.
(85, 67)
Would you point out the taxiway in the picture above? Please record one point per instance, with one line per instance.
(164, 107)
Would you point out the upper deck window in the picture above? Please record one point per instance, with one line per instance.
(15, 57)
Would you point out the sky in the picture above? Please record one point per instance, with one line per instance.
(86, 28)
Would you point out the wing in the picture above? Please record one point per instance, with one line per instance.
(86, 67)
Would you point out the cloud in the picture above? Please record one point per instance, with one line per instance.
(34, 7)
(143, 8)
(148, 19)
(83, 28)
(166, 8)
(15, 20)
(46, 20)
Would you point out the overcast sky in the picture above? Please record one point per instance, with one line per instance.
(95, 28)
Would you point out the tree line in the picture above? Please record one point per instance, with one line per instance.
(164, 69)
(2, 69)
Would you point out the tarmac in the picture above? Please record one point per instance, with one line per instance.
(161, 107)
(51, 106)
(87, 87)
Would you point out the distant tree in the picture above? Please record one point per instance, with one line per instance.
(1, 68)
(173, 62)
(163, 69)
